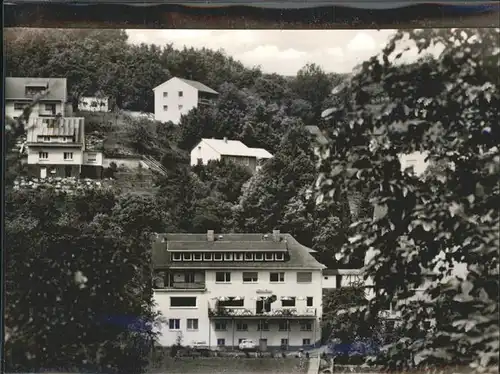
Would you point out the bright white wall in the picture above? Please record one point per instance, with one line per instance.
(205, 152)
(236, 287)
(97, 155)
(189, 100)
(38, 109)
(168, 337)
(56, 155)
(415, 159)
(86, 104)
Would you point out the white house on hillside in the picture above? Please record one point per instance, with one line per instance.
(94, 104)
(234, 150)
(218, 289)
(178, 96)
(56, 148)
(20, 92)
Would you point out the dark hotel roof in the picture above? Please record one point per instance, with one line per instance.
(299, 256)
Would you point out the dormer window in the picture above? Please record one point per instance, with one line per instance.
(217, 256)
(187, 256)
(34, 90)
(207, 257)
(176, 256)
(228, 256)
(279, 256)
(248, 256)
(238, 257)
(259, 257)
(197, 257)
(269, 256)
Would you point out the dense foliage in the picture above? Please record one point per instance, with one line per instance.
(426, 230)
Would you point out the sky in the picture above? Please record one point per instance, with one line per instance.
(278, 51)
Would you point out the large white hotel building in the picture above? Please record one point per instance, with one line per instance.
(222, 288)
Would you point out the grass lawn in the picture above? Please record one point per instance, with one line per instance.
(219, 365)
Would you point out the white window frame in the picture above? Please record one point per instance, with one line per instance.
(42, 154)
(259, 257)
(207, 256)
(165, 108)
(183, 307)
(192, 322)
(307, 301)
(242, 324)
(68, 156)
(279, 256)
(238, 257)
(284, 341)
(180, 107)
(305, 326)
(248, 259)
(187, 256)
(216, 256)
(250, 281)
(281, 277)
(221, 342)
(228, 257)
(294, 299)
(222, 325)
(165, 94)
(176, 256)
(269, 256)
(227, 279)
(197, 257)
(306, 341)
(180, 93)
(173, 321)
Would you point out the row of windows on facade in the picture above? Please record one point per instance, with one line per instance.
(192, 325)
(228, 256)
(179, 93)
(55, 139)
(253, 277)
(45, 155)
(47, 107)
(165, 107)
(191, 302)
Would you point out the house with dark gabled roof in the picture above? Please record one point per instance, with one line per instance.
(221, 289)
(51, 94)
(230, 150)
(178, 96)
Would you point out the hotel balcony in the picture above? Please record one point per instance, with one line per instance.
(253, 313)
(179, 281)
(204, 101)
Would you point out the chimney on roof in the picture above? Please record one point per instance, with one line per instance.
(210, 235)
(225, 140)
(276, 235)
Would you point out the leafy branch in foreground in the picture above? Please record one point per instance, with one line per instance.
(440, 233)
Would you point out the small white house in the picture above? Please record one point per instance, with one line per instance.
(233, 150)
(56, 148)
(177, 96)
(94, 104)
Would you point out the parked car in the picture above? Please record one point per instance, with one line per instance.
(199, 345)
(247, 345)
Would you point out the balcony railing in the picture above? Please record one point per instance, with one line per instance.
(204, 101)
(187, 285)
(255, 313)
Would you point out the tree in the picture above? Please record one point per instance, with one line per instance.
(448, 106)
(61, 263)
